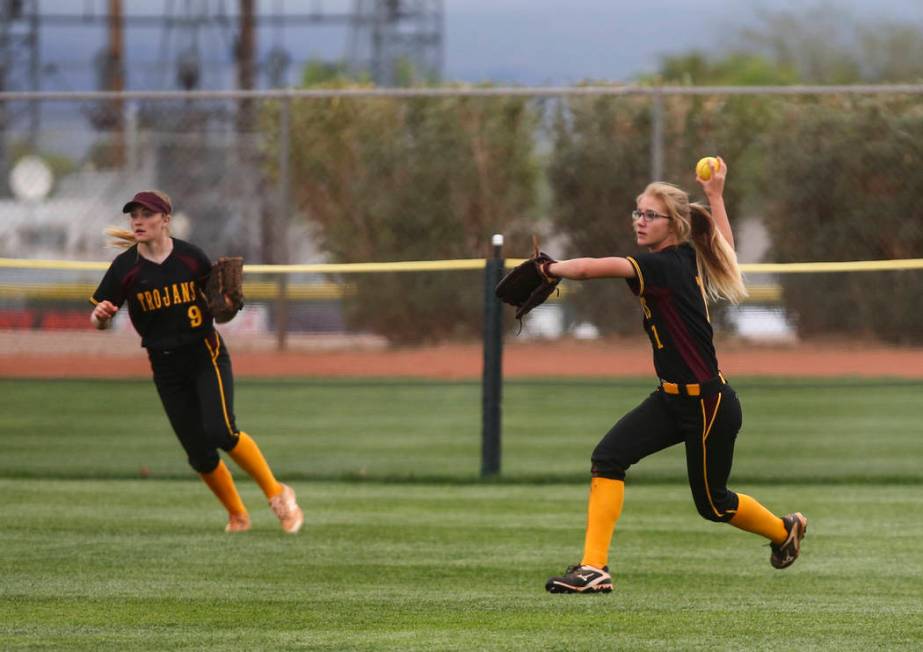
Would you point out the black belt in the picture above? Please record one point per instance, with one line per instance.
(706, 388)
(186, 347)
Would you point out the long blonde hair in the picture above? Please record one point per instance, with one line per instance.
(125, 239)
(715, 257)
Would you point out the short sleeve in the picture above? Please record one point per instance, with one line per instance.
(206, 263)
(196, 260)
(110, 288)
(651, 270)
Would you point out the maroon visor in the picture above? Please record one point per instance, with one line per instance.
(149, 200)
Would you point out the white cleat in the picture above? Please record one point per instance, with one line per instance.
(287, 510)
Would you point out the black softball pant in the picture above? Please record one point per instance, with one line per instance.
(196, 387)
(707, 425)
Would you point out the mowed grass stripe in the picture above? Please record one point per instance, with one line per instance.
(794, 430)
(103, 564)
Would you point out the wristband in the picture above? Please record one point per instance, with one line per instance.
(546, 271)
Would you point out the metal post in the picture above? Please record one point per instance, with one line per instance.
(279, 225)
(493, 362)
(657, 136)
(281, 311)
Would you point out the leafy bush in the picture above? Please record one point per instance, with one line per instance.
(388, 179)
(846, 176)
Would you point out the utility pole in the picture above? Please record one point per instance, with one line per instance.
(115, 77)
(246, 64)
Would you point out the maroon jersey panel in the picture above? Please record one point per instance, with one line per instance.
(675, 314)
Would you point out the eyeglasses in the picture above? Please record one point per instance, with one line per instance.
(648, 215)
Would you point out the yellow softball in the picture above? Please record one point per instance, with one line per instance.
(704, 167)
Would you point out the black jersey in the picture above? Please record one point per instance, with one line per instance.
(164, 300)
(675, 314)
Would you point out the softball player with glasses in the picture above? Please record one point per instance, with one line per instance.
(690, 260)
(162, 279)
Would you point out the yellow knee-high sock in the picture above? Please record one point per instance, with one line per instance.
(222, 485)
(753, 517)
(248, 456)
(604, 509)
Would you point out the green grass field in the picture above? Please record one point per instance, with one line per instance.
(404, 548)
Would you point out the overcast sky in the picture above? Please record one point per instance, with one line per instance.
(548, 41)
(513, 41)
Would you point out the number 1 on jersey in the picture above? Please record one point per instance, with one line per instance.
(649, 315)
(656, 337)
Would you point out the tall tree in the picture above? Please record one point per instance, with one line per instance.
(824, 44)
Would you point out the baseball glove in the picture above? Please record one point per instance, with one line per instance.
(224, 291)
(528, 284)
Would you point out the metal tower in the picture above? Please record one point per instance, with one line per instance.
(19, 71)
(397, 41)
(187, 29)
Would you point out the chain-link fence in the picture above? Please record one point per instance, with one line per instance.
(362, 175)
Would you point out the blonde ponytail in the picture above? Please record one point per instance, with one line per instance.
(716, 259)
(121, 238)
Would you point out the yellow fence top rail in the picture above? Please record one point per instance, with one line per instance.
(842, 266)
(477, 263)
(315, 268)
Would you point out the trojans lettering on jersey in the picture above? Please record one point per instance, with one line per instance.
(176, 293)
